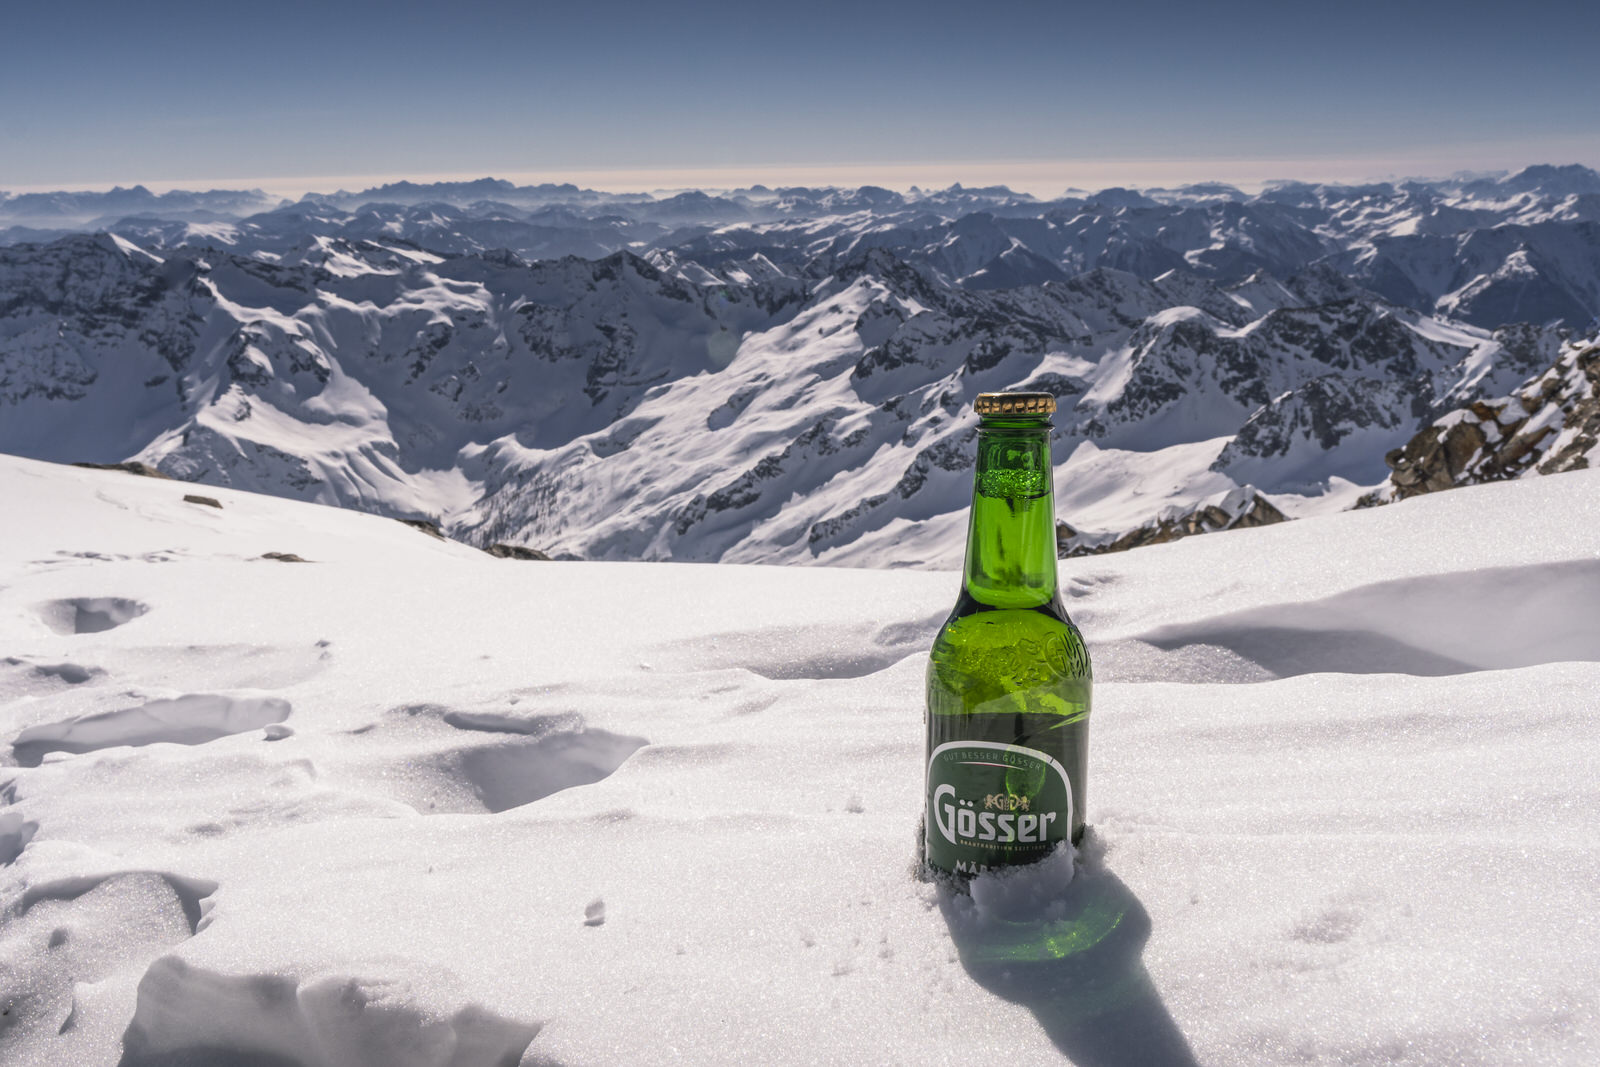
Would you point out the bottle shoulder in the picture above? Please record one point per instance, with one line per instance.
(972, 617)
(1015, 628)
(980, 648)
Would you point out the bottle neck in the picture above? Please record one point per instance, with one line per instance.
(1011, 535)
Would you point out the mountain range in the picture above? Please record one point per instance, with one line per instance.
(779, 374)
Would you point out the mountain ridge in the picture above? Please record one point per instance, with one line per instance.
(791, 390)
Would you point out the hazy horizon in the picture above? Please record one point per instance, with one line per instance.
(1042, 179)
(705, 93)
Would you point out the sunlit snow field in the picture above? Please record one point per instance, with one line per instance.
(408, 804)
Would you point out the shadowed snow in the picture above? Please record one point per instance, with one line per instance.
(1489, 619)
(512, 774)
(187, 720)
(90, 615)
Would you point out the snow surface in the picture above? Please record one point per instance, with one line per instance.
(408, 804)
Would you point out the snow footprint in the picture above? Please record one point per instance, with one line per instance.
(550, 753)
(192, 719)
(510, 759)
(20, 677)
(510, 775)
(791, 653)
(15, 833)
(89, 615)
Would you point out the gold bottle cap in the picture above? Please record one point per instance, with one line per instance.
(1015, 404)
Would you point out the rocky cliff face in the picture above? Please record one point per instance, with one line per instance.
(1237, 509)
(1548, 425)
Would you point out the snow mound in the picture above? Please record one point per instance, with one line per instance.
(187, 1015)
(1489, 619)
(68, 948)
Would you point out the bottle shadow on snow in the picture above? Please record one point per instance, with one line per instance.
(1070, 952)
(206, 1057)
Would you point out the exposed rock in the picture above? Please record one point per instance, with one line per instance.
(208, 501)
(283, 557)
(1236, 509)
(144, 470)
(1548, 425)
(1315, 418)
(503, 551)
(427, 526)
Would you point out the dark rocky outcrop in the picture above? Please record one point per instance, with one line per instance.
(427, 526)
(1549, 425)
(1239, 509)
(503, 551)
(144, 470)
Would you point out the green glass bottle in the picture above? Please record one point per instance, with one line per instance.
(1008, 678)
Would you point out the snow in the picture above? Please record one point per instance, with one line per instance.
(1549, 415)
(1341, 494)
(1111, 490)
(1453, 333)
(1444, 422)
(320, 354)
(187, 720)
(463, 810)
(128, 248)
(213, 232)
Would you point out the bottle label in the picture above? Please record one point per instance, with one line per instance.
(991, 804)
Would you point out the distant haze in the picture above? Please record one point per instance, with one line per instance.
(1042, 97)
(1041, 178)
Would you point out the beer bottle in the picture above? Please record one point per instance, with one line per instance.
(1008, 677)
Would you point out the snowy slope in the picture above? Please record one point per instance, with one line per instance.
(628, 409)
(776, 375)
(409, 804)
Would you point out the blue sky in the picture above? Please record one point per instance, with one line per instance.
(1041, 94)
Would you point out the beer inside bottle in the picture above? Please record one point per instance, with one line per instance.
(1008, 677)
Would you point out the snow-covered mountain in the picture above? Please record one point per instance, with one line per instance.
(782, 374)
(70, 210)
(1523, 247)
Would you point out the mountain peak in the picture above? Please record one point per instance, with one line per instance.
(1573, 178)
